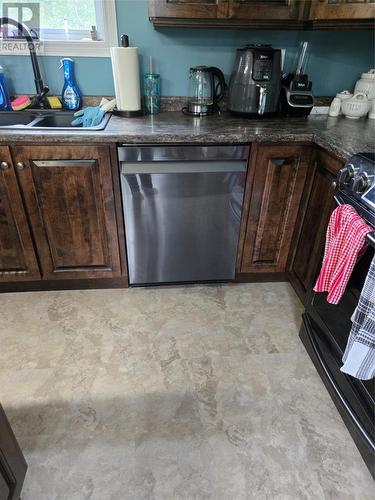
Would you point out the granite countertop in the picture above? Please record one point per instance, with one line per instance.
(340, 136)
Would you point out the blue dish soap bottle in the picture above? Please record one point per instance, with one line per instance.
(70, 95)
(4, 94)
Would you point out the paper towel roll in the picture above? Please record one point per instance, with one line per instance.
(125, 67)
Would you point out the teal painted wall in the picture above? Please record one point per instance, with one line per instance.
(337, 57)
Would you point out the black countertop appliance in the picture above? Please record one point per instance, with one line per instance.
(254, 87)
(296, 89)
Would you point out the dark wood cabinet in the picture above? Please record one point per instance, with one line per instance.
(12, 462)
(269, 14)
(267, 9)
(311, 226)
(274, 188)
(193, 9)
(17, 257)
(342, 9)
(68, 195)
(226, 13)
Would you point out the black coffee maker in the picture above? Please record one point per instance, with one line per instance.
(296, 97)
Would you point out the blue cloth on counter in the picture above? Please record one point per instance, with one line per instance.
(359, 355)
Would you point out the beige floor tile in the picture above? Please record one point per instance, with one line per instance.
(173, 393)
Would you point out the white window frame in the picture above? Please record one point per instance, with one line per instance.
(106, 10)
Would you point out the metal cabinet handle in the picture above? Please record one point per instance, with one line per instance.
(20, 166)
(4, 165)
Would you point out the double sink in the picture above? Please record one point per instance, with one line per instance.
(39, 119)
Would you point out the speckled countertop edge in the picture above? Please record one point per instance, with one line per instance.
(339, 136)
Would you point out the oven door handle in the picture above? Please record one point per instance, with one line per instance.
(338, 201)
(370, 238)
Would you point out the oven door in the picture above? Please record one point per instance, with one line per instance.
(325, 331)
(336, 319)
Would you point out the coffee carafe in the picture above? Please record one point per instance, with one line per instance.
(206, 90)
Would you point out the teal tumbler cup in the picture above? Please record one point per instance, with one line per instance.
(152, 93)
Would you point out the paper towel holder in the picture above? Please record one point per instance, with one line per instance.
(124, 44)
(118, 112)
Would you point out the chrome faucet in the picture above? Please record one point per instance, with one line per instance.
(38, 101)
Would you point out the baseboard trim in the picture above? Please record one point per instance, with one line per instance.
(260, 277)
(81, 284)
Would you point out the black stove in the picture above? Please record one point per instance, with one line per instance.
(326, 327)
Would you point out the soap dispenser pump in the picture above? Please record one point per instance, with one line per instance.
(70, 95)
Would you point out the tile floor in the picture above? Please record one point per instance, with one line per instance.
(190, 393)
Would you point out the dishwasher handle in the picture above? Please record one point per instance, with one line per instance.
(182, 167)
(182, 153)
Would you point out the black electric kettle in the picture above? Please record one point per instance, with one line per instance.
(206, 90)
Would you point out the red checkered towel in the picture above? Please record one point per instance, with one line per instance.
(345, 239)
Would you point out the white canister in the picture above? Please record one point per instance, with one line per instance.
(366, 84)
(356, 106)
(335, 107)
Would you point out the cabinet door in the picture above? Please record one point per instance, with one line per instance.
(17, 258)
(69, 198)
(311, 232)
(342, 9)
(190, 9)
(274, 189)
(12, 463)
(266, 9)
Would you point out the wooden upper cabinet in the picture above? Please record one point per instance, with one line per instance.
(274, 188)
(192, 9)
(69, 198)
(342, 9)
(17, 257)
(282, 14)
(266, 9)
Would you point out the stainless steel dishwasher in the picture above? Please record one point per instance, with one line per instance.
(182, 211)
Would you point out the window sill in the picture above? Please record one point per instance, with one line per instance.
(56, 48)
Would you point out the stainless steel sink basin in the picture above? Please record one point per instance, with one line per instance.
(13, 118)
(44, 120)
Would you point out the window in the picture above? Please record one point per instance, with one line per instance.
(65, 27)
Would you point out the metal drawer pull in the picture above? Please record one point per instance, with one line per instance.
(20, 166)
(4, 165)
(64, 163)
